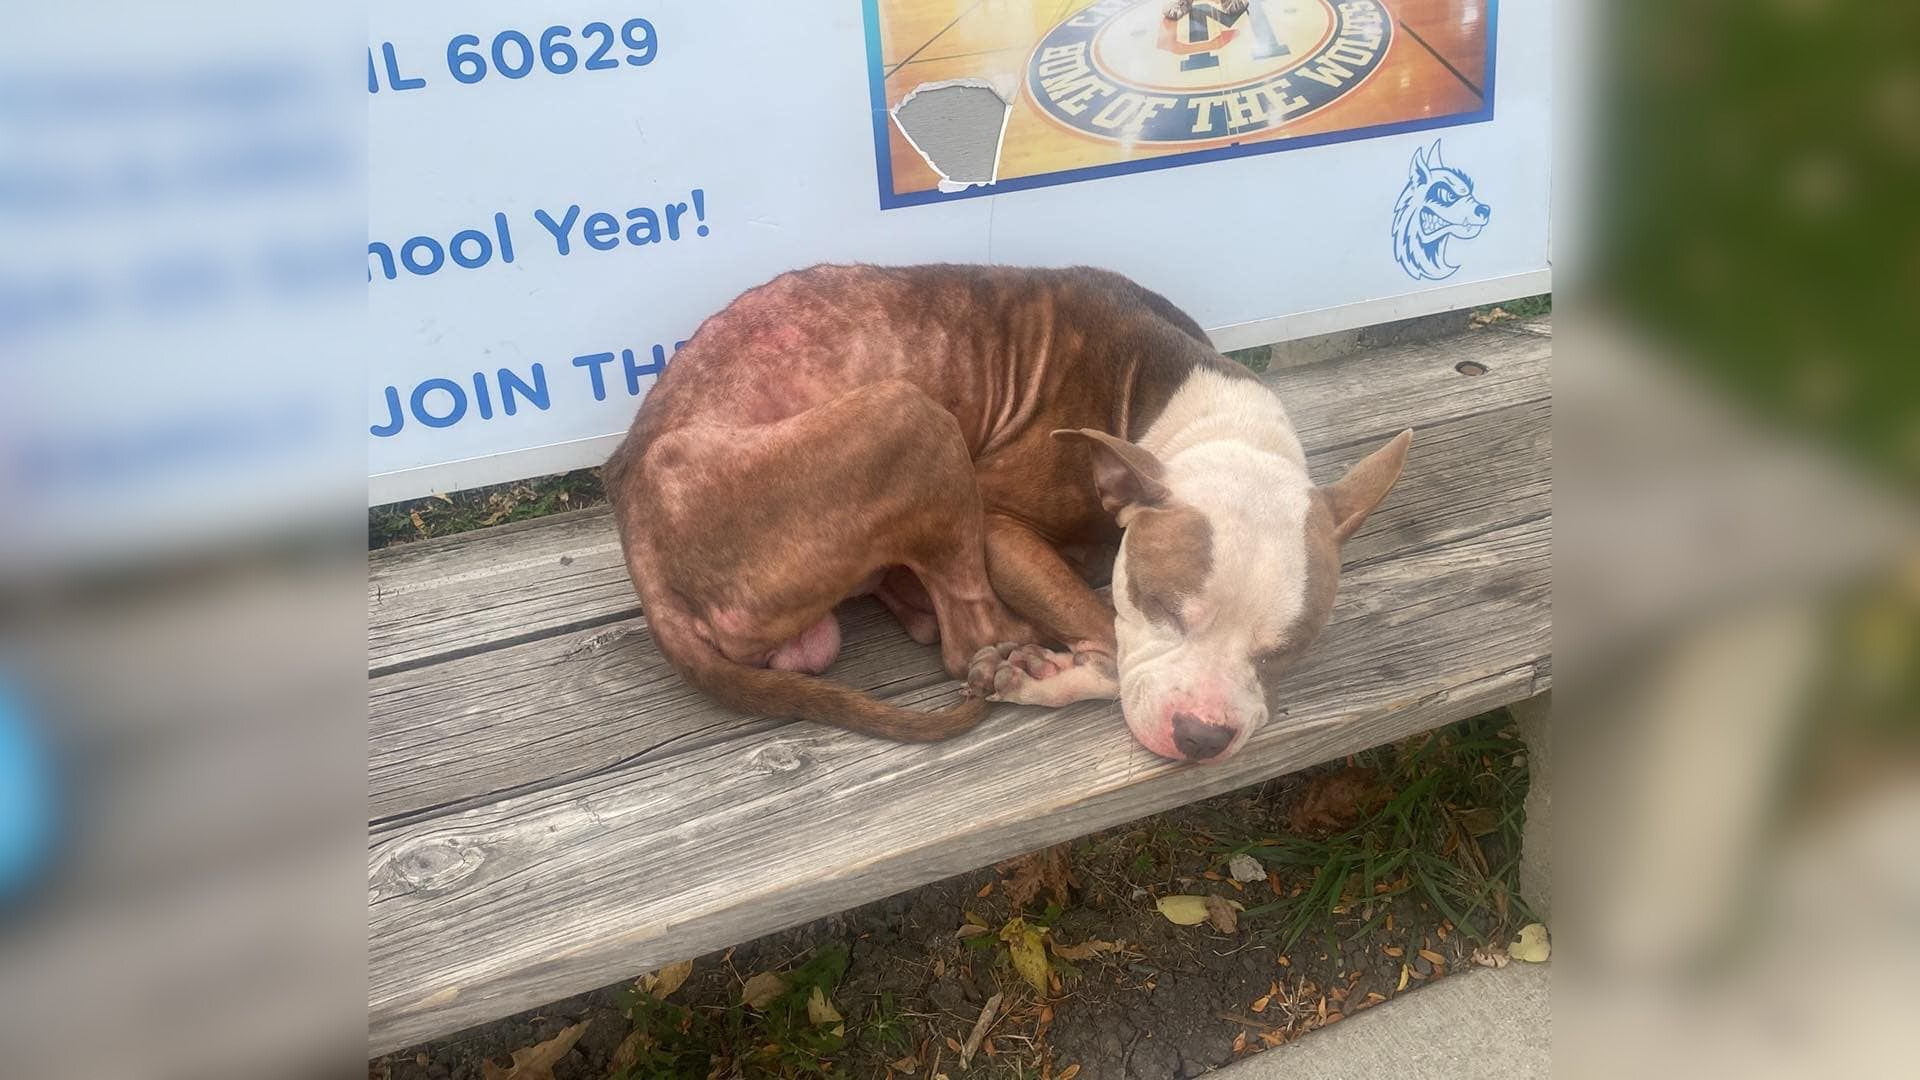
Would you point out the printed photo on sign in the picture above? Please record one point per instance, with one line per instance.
(976, 96)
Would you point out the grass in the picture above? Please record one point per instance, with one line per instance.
(783, 1040)
(1452, 791)
(1526, 307)
(477, 508)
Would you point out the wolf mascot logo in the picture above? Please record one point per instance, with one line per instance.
(1436, 206)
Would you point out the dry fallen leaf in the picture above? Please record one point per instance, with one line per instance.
(1394, 951)
(1480, 820)
(953, 1044)
(1028, 948)
(1240, 1043)
(971, 930)
(1493, 956)
(1433, 958)
(1405, 974)
(985, 889)
(661, 984)
(1086, 950)
(1244, 867)
(1532, 945)
(1069, 1072)
(908, 1065)
(820, 1010)
(1335, 800)
(1184, 910)
(1220, 914)
(536, 1062)
(1048, 870)
(761, 990)
(628, 1053)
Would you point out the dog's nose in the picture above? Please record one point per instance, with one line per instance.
(1198, 740)
(1483, 211)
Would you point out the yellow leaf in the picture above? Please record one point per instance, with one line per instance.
(761, 990)
(1028, 947)
(536, 1062)
(1406, 973)
(1260, 1003)
(820, 1010)
(1532, 945)
(1184, 910)
(661, 984)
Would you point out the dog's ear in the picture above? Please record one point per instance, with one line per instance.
(1127, 477)
(1353, 496)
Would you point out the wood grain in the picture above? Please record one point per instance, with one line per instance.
(553, 810)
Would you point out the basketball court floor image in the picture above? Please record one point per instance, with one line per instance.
(1093, 87)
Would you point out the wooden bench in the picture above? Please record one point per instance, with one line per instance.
(552, 809)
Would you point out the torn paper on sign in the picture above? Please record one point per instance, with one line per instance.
(958, 127)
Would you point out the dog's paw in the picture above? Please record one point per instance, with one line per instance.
(1001, 672)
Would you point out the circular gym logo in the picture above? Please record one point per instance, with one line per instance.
(1125, 70)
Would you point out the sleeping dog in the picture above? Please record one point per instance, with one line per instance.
(945, 438)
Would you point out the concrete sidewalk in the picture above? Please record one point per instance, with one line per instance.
(1487, 1024)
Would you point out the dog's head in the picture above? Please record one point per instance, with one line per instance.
(1437, 205)
(1226, 573)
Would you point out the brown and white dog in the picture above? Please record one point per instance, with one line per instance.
(948, 438)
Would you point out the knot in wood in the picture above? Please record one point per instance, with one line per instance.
(779, 758)
(434, 863)
(596, 643)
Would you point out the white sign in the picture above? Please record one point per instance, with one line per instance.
(561, 192)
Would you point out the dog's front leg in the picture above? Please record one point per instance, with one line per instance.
(1033, 580)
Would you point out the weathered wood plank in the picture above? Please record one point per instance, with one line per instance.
(452, 597)
(518, 901)
(568, 706)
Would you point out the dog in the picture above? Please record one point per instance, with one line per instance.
(1436, 205)
(946, 438)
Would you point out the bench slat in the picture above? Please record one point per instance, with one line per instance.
(463, 594)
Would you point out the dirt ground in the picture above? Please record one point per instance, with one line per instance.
(1369, 879)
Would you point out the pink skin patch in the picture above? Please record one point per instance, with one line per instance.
(813, 652)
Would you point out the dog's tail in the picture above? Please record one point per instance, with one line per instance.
(789, 694)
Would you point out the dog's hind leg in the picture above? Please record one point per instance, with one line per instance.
(761, 530)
